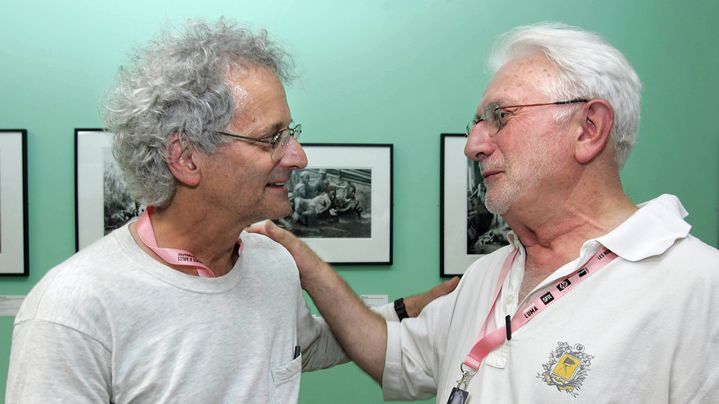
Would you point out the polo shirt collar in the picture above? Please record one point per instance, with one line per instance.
(650, 231)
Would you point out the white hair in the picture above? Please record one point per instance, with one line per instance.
(588, 66)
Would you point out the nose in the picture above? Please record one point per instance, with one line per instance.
(294, 156)
(479, 143)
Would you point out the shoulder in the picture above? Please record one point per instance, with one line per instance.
(266, 255)
(691, 257)
(256, 243)
(686, 275)
(80, 283)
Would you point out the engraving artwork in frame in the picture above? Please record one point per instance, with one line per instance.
(342, 202)
(102, 201)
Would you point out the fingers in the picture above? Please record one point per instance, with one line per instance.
(445, 287)
(415, 304)
(282, 236)
(279, 235)
(271, 230)
(259, 228)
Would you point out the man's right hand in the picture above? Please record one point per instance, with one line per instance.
(304, 257)
(307, 260)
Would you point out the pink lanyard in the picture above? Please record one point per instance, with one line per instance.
(170, 255)
(488, 342)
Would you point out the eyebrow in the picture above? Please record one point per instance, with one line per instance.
(273, 129)
(493, 104)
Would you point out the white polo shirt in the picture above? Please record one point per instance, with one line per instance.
(641, 330)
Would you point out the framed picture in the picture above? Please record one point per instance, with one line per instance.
(342, 202)
(102, 201)
(468, 229)
(14, 259)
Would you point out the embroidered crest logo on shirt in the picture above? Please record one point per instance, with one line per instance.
(489, 341)
(567, 368)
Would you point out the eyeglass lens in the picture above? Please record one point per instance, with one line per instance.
(280, 147)
(492, 114)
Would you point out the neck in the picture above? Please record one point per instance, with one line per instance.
(211, 238)
(555, 229)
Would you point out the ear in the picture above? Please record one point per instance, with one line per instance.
(180, 160)
(596, 127)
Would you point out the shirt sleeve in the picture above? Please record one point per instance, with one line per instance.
(386, 311)
(318, 345)
(415, 347)
(52, 363)
(694, 377)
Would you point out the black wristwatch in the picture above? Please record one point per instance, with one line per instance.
(400, 309)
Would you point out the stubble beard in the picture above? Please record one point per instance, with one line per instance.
(518, 177)
(498, 199)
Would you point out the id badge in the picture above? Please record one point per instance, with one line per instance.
(458, 396)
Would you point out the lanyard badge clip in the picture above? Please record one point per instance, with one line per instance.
(459, 394)
(466, 376)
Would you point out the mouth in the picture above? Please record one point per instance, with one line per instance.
(490, 173)
(277, 184)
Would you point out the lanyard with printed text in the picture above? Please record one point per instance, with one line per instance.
(488, 342)
(172, 256)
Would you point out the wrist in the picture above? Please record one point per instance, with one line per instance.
(400, 309)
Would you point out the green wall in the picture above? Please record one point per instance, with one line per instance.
(371, 71)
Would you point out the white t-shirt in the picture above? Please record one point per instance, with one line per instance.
(643, 329)
(111, 324)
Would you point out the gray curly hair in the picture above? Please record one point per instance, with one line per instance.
(588, 66)
(177, 84)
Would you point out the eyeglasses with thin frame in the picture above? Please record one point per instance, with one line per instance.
(278, 141)
(497, 116)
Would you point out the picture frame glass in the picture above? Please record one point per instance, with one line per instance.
(13, 203)
(468, 229)
(342, 202)
(103, 201)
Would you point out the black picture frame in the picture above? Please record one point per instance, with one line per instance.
(467, 229)
(14, 247)
(351, 221)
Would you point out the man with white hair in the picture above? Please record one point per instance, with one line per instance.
(595, 299)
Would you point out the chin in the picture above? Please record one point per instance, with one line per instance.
(497, 205)
(279, 213)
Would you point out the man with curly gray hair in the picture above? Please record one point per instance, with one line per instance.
(182, 305)
(205, 139)
(596, 299)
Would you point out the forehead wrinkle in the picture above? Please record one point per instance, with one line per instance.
(522, 79)
(243, 103)
(262, 108)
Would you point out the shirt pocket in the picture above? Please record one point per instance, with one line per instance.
(286, 381)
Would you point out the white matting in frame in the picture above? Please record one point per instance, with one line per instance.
(373, 162)
(102, 201)
(92, 148)
(13, 202)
